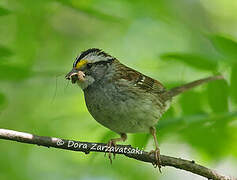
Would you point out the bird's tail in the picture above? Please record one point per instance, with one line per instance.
(180, 89)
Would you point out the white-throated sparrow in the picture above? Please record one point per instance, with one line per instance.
(123, 99)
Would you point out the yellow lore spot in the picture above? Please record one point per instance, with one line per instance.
(81, 63)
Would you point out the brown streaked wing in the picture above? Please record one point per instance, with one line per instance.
(140, 80)
(150, 84)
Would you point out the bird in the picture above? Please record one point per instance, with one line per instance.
(121, 98)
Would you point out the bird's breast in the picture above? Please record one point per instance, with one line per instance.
(122, 110)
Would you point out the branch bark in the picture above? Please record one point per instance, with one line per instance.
(126, 150)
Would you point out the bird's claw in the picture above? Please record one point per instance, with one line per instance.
(157, 162)
(110, 144)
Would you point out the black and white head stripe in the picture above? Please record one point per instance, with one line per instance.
(93, 55)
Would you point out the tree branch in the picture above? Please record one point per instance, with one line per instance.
(127, 150)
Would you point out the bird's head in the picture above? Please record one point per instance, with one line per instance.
(91, 65)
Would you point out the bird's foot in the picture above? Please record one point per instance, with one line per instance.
(110, 144)
(157, 162)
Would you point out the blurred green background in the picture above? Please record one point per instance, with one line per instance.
(172, 41)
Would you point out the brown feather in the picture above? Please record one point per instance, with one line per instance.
(139, 80)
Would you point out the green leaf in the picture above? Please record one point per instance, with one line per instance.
(191, 103)
(194, 60)
(178, 123)
(4, 52)
(233, 83)
(4, 11)
(225, 46)
(199, 130)
(198, 118)
(8, 72)
(218, 96)
(210, 140)
(87, 9)
(2, 101)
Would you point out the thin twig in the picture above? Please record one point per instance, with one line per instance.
(127, 150)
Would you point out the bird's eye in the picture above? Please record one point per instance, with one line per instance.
(89, 65)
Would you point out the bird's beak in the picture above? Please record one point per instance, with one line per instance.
(72, 75)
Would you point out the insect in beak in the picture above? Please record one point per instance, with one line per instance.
(75, 75)
(72, 75)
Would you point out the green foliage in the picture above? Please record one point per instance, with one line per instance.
(2, 101)
(225, 46)
(193, 60)
(233, 83)
(9, 73)
(4, 52)
(140, 140)
(39, 41)
(85, 7)
(218, 96)
(4, 11)
(191, 103)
